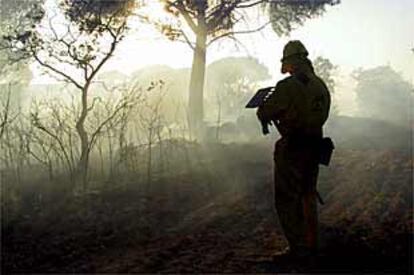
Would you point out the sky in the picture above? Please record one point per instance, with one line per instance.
(354, 34)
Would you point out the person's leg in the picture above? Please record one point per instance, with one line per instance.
(288, 201)
(310, 205)
(311, 220)
(291, 219)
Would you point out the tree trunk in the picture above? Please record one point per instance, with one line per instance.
(83, 136)
(195, 103)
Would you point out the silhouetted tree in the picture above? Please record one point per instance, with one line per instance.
(286, 15)
(19, 18)
(73, 49)
(15, 71)
(211, 20)
(382, 93)
(5, 113)
(326, 70)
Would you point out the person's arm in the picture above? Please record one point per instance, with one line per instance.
(276, 105)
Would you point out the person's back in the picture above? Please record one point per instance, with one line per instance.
(300, 104)
(313, 103)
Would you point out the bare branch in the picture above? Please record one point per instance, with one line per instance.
(6, 112)
(243, 4)
(57, 71)
(116, 39)
(105, 122)
(187, 40)
(232, 33)
(38, 125)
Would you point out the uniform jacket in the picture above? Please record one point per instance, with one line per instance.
(299, 106)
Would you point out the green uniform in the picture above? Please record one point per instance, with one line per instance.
(299, 107)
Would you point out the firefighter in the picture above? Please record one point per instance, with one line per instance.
(299, 107)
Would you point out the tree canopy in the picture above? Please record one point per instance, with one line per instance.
(382, 93)
(232, 80)
(285, 15)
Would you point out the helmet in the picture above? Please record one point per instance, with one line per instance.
(294, 48)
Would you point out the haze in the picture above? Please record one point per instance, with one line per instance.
(154, 165)
(355, 34)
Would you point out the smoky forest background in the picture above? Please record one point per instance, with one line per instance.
(164, 170)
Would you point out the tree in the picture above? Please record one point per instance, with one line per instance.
(326, 70)
(18, 17)
(286, 15)
(231, 81)
(202, 22)
(77, 39)
(17, 73)
(382, 93)
(211, 20)
(5, 113)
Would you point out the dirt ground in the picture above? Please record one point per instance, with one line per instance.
(366, 223)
